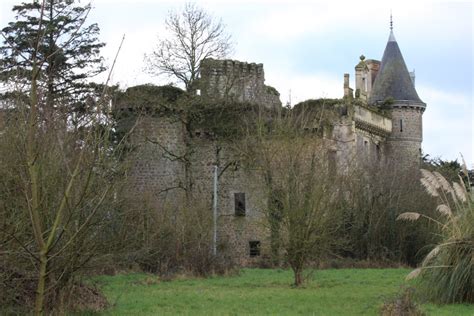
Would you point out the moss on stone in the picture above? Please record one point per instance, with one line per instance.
(148, 97)
(221, 120)
(272, 90)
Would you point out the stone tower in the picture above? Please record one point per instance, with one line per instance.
(394, 88)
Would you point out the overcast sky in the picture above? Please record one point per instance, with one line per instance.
(307, 46)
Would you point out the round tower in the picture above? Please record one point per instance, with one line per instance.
(394, 88)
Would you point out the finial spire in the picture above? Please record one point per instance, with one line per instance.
(391, 21)
(391, 37)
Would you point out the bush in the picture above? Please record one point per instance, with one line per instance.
(169, 241)
(447, 271)
(402, 305)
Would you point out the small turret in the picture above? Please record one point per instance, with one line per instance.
(366, 71)
(394, 88)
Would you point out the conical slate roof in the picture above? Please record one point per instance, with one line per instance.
(393, 79)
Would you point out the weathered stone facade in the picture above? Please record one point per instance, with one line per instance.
(236, 81)
(172, 160)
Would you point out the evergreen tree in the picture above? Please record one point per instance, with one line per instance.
(68, 54)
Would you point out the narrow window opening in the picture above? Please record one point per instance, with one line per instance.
(401, 125)
(239, 204)
(377, 151)
(254, 247)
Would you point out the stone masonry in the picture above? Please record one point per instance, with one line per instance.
(233, 80)
(381, 122)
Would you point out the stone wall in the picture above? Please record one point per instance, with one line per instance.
(236, 81)
(156, 172)
(357, 146)
(235, 231)
(407, 134)
(372, 121)
(407, 124)
(365, 72)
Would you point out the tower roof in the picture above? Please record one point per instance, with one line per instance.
(393, 79)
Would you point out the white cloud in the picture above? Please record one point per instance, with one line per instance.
(305, 87)
(448, 124)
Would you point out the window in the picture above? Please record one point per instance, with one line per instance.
(401, 125)
(254, 247)
(239, 204)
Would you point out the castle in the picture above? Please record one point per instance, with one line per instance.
(381, 120)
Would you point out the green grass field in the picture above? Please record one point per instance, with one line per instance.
(259, 291)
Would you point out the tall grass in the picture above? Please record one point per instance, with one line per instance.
(446, 272)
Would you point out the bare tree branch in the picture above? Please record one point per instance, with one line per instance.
(193, 36)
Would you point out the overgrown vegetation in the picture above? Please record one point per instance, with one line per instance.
(175, 240)
(447, 270)
(57, 178)
(302, 189)
(374, 200)
(67, 207)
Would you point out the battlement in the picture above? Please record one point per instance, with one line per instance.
(231, 67)
(234, 80)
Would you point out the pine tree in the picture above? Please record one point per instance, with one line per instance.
(68, 54)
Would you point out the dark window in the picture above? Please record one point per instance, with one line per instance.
(239, 200)
(254, 248)
(377, 151)
(401, 125)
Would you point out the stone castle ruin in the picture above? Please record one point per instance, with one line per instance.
(237, 81)
(379, 121)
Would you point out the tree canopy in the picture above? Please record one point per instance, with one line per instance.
(67, 50)
(193, 35)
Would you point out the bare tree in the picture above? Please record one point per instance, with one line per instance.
(303, 191)
(62, 193)
(193, 36)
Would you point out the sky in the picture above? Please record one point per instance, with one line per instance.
(307, 46)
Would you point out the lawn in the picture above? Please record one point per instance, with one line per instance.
(259, 291)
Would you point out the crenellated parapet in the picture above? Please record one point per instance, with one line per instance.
(233, 80)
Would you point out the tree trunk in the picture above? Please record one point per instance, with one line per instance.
(40, 289)
(298, 272)
(34, 188)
